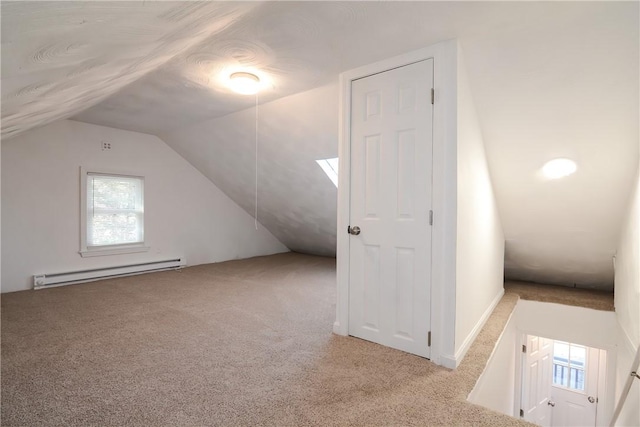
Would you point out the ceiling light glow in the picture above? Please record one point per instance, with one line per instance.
(559, 168)
(244, 83)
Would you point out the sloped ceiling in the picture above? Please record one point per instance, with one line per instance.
(549, 79)
(296, 201)
(60, 58)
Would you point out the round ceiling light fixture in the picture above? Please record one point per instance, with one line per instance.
(244, 83)
(559, 168)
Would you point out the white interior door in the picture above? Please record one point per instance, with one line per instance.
(391, 185)
(575, 386)
(537, 380)
(559, 383)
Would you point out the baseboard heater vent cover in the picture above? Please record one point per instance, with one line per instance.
(41, 281)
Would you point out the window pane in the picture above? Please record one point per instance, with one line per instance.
(578, 355)
(114, 210)
(577, 379)
(334, 164)
(120, 193)
(115, 228)
(560, 352)
(560, 375)
(330, 167)
(569, 364)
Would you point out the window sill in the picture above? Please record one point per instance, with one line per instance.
(113, 251)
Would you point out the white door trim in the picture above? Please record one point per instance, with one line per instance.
(444, 194)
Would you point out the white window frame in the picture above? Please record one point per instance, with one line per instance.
(92, 251)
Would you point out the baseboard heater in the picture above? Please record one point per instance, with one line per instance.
(41, 281)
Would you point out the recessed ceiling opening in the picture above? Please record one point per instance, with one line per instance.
(330, 167)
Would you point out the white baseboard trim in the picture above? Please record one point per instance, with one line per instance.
(462, 351)
(338, 329)
(448, 361)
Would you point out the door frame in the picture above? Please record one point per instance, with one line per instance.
(443, 240)
(606, 374)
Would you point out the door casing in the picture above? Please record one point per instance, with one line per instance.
(391, 198)
(444, 194)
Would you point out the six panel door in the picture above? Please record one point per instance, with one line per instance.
(391, 186)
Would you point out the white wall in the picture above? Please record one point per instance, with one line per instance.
(579, 325)
(630, 411)
(480, 240)
(627, 303)
(185, 214)
(627, 271)
(495, 387)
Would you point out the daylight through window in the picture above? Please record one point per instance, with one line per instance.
(115, 210)
(330, 167)
(569, 361)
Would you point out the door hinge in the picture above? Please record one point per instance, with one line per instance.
(429, 339)
(524, 348)
(433, 96)
(430, 217)
(521, 413)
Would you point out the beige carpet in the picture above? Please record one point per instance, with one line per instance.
(238, 343)
(598, 300)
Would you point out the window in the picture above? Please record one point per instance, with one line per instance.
(113, 214)
(569, 361)
(330, 167)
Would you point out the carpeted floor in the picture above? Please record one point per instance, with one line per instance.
(238, 343)
(598, 300)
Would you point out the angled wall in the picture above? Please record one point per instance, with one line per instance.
(296, 200)
(627, 271)
(627, 303)
(185, 214)
(479, 238)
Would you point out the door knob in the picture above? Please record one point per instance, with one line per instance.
(551, 403)
(353, 230)
(591, 399)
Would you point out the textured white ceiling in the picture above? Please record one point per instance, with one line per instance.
(549, 79)
(296, 200)
(296, 46)
(60, 58)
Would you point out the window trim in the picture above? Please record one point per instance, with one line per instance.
(92, 251)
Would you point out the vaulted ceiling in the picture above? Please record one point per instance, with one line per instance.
(549, 79)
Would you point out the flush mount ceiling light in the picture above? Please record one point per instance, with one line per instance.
(559, 168)
(244, 83)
